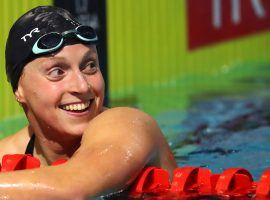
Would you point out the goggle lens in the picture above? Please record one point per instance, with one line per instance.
(86, 32)
(49, 41)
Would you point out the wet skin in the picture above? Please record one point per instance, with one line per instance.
(62, 96)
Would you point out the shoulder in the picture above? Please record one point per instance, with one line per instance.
(125, 113)
(131, 126)
(123, 125)
(15, 143)
(121, 119)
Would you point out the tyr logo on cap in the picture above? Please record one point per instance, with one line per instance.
(30, 34)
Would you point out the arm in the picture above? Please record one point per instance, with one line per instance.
(117, 144)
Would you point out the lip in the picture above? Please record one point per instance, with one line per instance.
(76, 112)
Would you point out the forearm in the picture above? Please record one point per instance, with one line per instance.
(44, 183)
(89, 173)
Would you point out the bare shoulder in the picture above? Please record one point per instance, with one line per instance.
(130, 110)
(15, 143)
(125, 114)
(134, 130)
(119, 120)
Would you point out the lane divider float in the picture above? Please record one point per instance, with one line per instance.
(187, 182)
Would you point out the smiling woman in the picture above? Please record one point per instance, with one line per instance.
(53, 68)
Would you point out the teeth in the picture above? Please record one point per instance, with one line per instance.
(78, 106)
(83, 106)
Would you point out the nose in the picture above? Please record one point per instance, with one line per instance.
(79, 83)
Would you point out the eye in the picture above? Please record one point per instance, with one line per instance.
(56, 73)
(89, 68)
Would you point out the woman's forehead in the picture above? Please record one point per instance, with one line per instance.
(75, 49)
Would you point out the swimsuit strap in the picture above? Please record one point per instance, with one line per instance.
(30, 145)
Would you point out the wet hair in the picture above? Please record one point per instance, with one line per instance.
(27, 30)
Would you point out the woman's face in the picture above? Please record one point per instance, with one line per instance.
(62, 92)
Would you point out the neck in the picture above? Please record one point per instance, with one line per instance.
(49, 150)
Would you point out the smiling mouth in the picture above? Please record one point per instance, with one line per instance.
(76, 107)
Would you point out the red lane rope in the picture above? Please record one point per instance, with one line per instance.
(187, 181)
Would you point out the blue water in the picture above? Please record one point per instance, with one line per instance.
(222, 132)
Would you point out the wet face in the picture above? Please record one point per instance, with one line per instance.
(61, 93)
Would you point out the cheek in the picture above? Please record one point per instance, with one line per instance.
(98, 85)
(38, 91)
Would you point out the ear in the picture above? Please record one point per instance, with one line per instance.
(19, 94)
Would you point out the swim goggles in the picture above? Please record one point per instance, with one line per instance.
(53, 41)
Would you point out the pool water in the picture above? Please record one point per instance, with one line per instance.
(222, 132)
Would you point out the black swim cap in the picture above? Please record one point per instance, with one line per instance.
(27, 30)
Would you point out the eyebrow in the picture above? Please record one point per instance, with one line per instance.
(52, 60)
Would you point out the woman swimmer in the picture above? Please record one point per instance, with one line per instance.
(52, 64)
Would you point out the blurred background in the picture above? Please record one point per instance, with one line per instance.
(199, 67)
